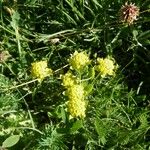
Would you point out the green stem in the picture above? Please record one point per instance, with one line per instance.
(14, 87)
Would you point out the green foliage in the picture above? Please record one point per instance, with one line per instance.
(11, 141)
(52, 140)
(34, 115)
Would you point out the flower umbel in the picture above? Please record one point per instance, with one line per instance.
(68, 79)
(128, 13)
(75, 92)
(40, 70)
(76, 104)
(105, 66)
(79, 60)
(77, 108)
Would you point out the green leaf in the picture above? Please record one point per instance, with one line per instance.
(124, 138)
(63, 130)
(143, 121)
(135, 34)
(144, 35)
(100, 129)
(77, 125)
(97, 3)
(15, 20)
(69, 18)
(11, 141)
(92, 73)
(88, 89)
(63, 115)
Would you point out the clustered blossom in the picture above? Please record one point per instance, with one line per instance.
(77, 108)
(75, 92)
(76, 104)
(128, 13)
(105, 66)
(40, 70)
(68, 79)
(79, 60)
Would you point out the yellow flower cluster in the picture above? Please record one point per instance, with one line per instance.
(68, 79)
(75, 92)
(105, 66)
(76, 104)
(77, 108)
(79, 60)
(40, 70)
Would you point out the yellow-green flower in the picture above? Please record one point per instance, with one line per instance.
(40, 70)
(68, 79)
(79, 60)
(105, 66)
(75, 92)
(77, 108)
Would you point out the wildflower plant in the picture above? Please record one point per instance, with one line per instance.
(72, 81)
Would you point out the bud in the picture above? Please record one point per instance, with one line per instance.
(128, 13)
